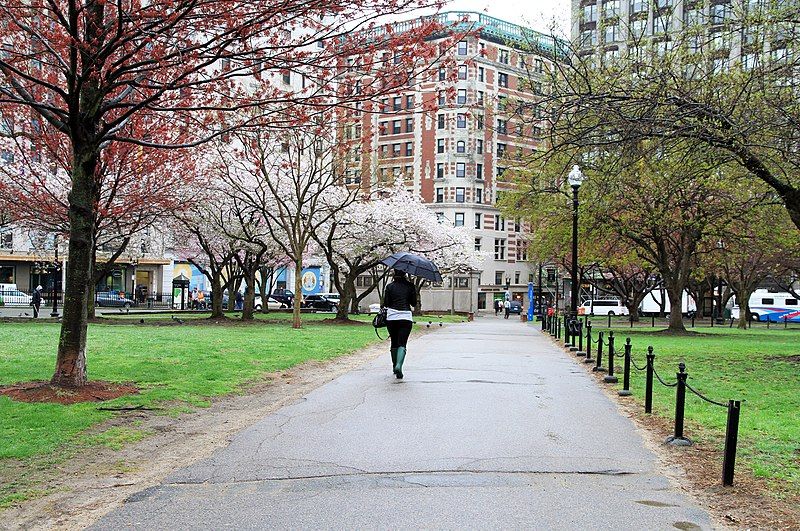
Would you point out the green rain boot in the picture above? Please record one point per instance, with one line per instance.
(394, 357)
(398, 366)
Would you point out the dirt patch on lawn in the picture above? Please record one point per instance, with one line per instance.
(697, 469)
(94, 391)
(795, 358)
(84, 487)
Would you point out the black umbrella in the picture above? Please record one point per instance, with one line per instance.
(414, 265)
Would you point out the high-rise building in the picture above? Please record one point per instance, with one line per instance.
(452, 134)
(729, 29)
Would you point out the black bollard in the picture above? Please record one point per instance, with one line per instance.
(731, 325)
(588, 343)
(609, 320)
(580, 339)
(653, 321)
(648, 382)
(785, 322)
(573, 334)
(693, 319)
(544, 323)
(626, 377)
(677, 439)
(599, 365)
(610, 378)
(731, 438)
(558, 328)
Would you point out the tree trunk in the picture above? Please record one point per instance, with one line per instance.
(743, 295)
(298, 293)
(71, 360)
(249, 296)
(675, 310)
(263, 291)
(345, 299)
(216, 296)
(633, 309)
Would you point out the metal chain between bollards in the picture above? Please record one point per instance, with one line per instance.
(673, 384)
(710, 401)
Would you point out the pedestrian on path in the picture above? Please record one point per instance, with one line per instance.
(36, 301)
(507, 306)
(399, 297)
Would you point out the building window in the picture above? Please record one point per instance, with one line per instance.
(477, 244)
(499, 223)
(409, 149)
(395, 150)
(440, 195)
(461, 146)
(286, 77)
(501, 150)
(500, 171)
(459, 219)
(462, 48)
(442, 74)
(479, 121)
(461, 98)
(462, 71)
(440, 121)
(460, 169)
(460, 195)
(478, 217)
(479, 147)
(504, 56)
(397, 103)
(590, 13)
(479, 171)
(501, 103)
(7, 275)
(7, 240)
(502, 79)
(480, 97)
(611, 33)
(409, 125)
(439, 170)
(498, 278)
(499, 248)
(479, 195)
(440, 145)
(502, 127)
(442, 98)
(516, 277)
(461, 121)
(481, 74)
(409, 102)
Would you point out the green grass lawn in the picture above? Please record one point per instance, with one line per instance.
(759, 366)
(172, 365)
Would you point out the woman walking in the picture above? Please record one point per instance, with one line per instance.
(399, 297)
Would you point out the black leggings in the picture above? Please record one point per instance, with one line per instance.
(399, 332)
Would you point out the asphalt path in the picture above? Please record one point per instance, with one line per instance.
(493, 427)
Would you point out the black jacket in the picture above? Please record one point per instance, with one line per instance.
(37, 297)
(400, 295)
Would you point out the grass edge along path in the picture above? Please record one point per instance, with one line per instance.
(176, 368)
(759, 367)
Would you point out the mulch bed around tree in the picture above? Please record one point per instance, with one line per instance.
(94, 391)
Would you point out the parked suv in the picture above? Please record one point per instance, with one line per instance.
(284, 296)
(321, 303)
(515, 306)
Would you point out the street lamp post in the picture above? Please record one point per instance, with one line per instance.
(575, 179)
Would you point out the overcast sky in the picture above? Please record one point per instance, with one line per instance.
(536, 14)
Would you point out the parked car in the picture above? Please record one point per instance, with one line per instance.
(284, 296)
(603, 307)
(515, 307)
(14, 297)
(321, 303)
(272, 304)
(112, 299)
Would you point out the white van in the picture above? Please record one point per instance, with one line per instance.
(602, 307)
(651, 304)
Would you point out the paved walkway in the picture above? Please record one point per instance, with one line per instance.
(493, 427)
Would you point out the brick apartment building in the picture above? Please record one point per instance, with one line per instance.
(453, 134)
